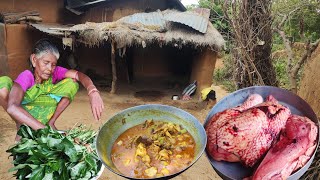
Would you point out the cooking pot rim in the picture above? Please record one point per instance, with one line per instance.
(168, 109)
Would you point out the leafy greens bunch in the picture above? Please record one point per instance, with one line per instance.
(50, 154)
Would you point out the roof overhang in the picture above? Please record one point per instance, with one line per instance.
(142, 29)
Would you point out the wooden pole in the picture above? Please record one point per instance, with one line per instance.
(114, 69)
(20, 16)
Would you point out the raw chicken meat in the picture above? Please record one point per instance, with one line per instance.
(245, 133)
(295, 147)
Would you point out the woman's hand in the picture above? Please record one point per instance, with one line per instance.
(17, 112)
(94, 96)
(97, 105)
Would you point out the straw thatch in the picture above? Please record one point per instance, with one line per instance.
(127, 35)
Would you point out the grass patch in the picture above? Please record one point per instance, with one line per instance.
(224, 76)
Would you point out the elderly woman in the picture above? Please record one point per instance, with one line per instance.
(38, 97)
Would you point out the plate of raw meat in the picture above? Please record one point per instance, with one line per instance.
(261, 132)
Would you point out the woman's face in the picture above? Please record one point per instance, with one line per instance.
(44, 66)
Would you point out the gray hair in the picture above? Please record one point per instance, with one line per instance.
(42, 47)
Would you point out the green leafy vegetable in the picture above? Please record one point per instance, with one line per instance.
(49, 154)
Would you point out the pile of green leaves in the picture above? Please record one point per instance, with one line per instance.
(49, 154)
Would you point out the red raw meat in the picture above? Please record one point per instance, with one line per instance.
(295, 147)
(245, 133)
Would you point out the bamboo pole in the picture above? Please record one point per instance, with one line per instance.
(114, 69)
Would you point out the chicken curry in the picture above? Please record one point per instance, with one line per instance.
(153, 149)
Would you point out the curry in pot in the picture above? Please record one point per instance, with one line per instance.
(153, 149)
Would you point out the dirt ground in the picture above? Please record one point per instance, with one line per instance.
(79, 112)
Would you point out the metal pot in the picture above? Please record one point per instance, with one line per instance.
(131, 117)
(228, 170)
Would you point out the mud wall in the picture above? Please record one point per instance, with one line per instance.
(3, 51)
(203, 68)
(310, 82)
(16, 42)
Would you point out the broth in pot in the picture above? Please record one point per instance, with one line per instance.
(153, 149)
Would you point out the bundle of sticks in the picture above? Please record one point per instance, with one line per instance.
(18, 17)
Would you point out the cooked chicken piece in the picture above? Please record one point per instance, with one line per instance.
(168, 134)
(146, 159)
(164, 154)
(141, 151)
(165, 163)
(151, 171)
(183, 144)
(165, 171)
(154, 149)
(180, 137)
(172, 140)
(119, 143)
(171, 128)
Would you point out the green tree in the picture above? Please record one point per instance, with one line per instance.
(303, 19)
(294, 21)
(217, 17)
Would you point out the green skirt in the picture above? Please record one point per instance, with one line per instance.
(41, 100)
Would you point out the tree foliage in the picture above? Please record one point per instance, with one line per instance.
(290, 18)
(304, 20)
(217, 17)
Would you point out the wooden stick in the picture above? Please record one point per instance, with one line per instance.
(114, 69)
(32, 18)
(61, 29)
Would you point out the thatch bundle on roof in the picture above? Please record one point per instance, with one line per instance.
(135, 34)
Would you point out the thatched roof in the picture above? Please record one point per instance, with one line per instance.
(172, 28)
(139, 34)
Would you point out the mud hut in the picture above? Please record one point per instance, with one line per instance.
(134, 40)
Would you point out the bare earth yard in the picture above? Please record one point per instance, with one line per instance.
(79, 112)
